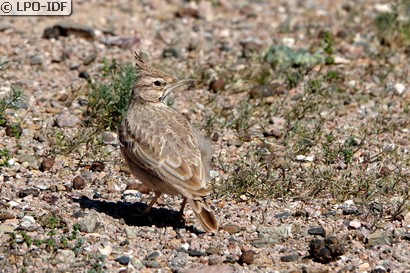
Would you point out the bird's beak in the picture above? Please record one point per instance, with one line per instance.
(178, 83)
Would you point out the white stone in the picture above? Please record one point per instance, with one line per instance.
(363, 267)
(351, 83)
(355, 224)
(349, 202)
(105, 250)
(132, 193)
(382, 7)
(42, 187)
(341, 60)
(305, 158)
(13, 204)
(225, 33)
(400, 88)
(29, 219)
(26, 222)
(288, 41)
(213, 174)
(185, 246)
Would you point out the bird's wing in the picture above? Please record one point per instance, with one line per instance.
(169, 150)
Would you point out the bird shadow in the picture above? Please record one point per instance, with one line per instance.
(133, 213)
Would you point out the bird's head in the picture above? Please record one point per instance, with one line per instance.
(153, 85)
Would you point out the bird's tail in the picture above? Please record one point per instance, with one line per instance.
(204, 214)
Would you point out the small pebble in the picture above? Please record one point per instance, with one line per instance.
(171, 52)
(97, 166)
(247, 256)
(60, 187)
(97, 195)
(27, 223)
(230, 259)
(68, 28)
(109, 138)
(133, 193)
(360, 237)
(30, 191)
(42, 187)
(28, 161)
(379, 237)
(36, 60)
(354, 224)
(217, 85)
(4, 228)
(67, 120)
(185, 246)
(78, 183)
(124, 260)
(215, 136)
(90, 223)
(105, 250)
(325, 250)
(400, 88)
(290, 257)
(152, 256)
(84, 75)
(212, 250)
(196, 253)
(13, 204)
(215, 259)
(50, 198)
(349, 210)
(231, 229)
(317, 231)
(378, 269)
(363, 267)
(137, 263)
(6, 215)
(234, 142)
(90, 58)
(150, 263)
(406, 236)
(283, 215)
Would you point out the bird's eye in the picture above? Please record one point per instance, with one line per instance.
(157, 83)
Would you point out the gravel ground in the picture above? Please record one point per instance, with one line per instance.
(80, 210)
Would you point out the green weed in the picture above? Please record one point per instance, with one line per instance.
(391, 29)
(97, 266)
(108, 100)
(253, 176)
(241, 116)
(333, 152)
(62, 143)
(328, 48)
(26, 238)
(5, 156)
(10, 101)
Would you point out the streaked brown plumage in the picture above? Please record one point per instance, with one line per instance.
(161, 148)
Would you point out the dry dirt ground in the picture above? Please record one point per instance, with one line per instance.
(306, 104)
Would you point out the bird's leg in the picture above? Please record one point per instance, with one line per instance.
(154, 199)
(181, 211)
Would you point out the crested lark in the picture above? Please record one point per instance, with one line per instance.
(161, 148)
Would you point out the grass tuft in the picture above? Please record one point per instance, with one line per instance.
(10, 101)
(108, 99)
(394, 27)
